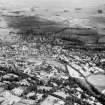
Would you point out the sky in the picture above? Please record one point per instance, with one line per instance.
(51, 3)
(73, 3)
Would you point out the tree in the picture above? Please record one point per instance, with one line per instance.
(100, 11)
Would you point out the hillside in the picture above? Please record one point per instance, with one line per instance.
(51, 56)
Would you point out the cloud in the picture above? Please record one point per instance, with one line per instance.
(51, 3)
